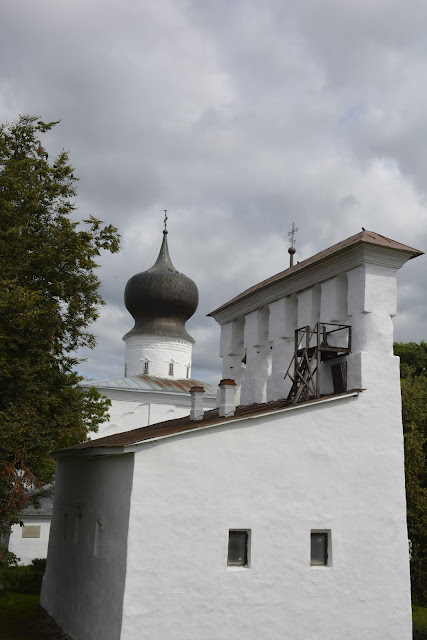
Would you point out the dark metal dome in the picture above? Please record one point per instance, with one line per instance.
(161, 299)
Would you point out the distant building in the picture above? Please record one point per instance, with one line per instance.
(29, 538)
(142, 400)
(157, 381)
(281, 514)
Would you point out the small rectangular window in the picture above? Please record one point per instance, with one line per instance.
(237, 549)
(171, 368)
(145, 367)
(319, 548)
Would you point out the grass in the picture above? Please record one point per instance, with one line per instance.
(22, 618)
(419, 617)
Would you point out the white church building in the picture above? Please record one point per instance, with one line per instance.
(156, 383)
(280, 514)
(158, 356)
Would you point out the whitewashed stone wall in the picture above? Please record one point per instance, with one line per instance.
(282, 327)
(280, 476)
(364, 297)
(232, 351)
(159, 352)
(86, 567)
(258, 356)
(336, 466)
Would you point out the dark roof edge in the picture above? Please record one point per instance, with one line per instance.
(106, 446)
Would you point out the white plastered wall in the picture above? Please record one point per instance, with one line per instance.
(283, 322)
(233, 353)
(258, 356)
(86, 567)
(135, 409)
(336, 466)
(159, 352)
(26, 549)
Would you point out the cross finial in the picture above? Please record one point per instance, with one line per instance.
(165, 220)
(292, 233)
(292, 240)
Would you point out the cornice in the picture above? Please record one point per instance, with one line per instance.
(329, 267)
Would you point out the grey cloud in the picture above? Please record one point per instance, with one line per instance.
(239, 118)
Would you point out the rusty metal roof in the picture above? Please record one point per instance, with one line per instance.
(151, 383)
(364, 236)
(179, 425)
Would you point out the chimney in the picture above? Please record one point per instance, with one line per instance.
(196, 410)
(227, 391)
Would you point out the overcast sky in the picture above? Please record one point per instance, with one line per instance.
(239, 117)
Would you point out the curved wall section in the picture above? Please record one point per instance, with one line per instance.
(159, 356)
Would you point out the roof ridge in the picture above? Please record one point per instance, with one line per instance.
(362, 236)
(149, 383)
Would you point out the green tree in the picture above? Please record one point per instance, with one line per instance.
(49, 295)
(413, 372)
(413, 358)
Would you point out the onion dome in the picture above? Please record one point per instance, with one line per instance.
(161, 299)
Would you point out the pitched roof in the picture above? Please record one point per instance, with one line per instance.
(369, 237)
(179, 425)
(152, 383)
(45, 502)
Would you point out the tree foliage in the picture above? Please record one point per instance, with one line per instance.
(413, 358)
(413, 372)
(49, 295)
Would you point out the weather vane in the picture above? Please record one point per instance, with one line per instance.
(292, 240)
(166, 219)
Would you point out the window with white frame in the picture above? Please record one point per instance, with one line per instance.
(171, 368)
(146, 367)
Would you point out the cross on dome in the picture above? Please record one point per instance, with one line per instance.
(292, 240)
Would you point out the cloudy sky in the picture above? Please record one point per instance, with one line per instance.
(239, 117)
